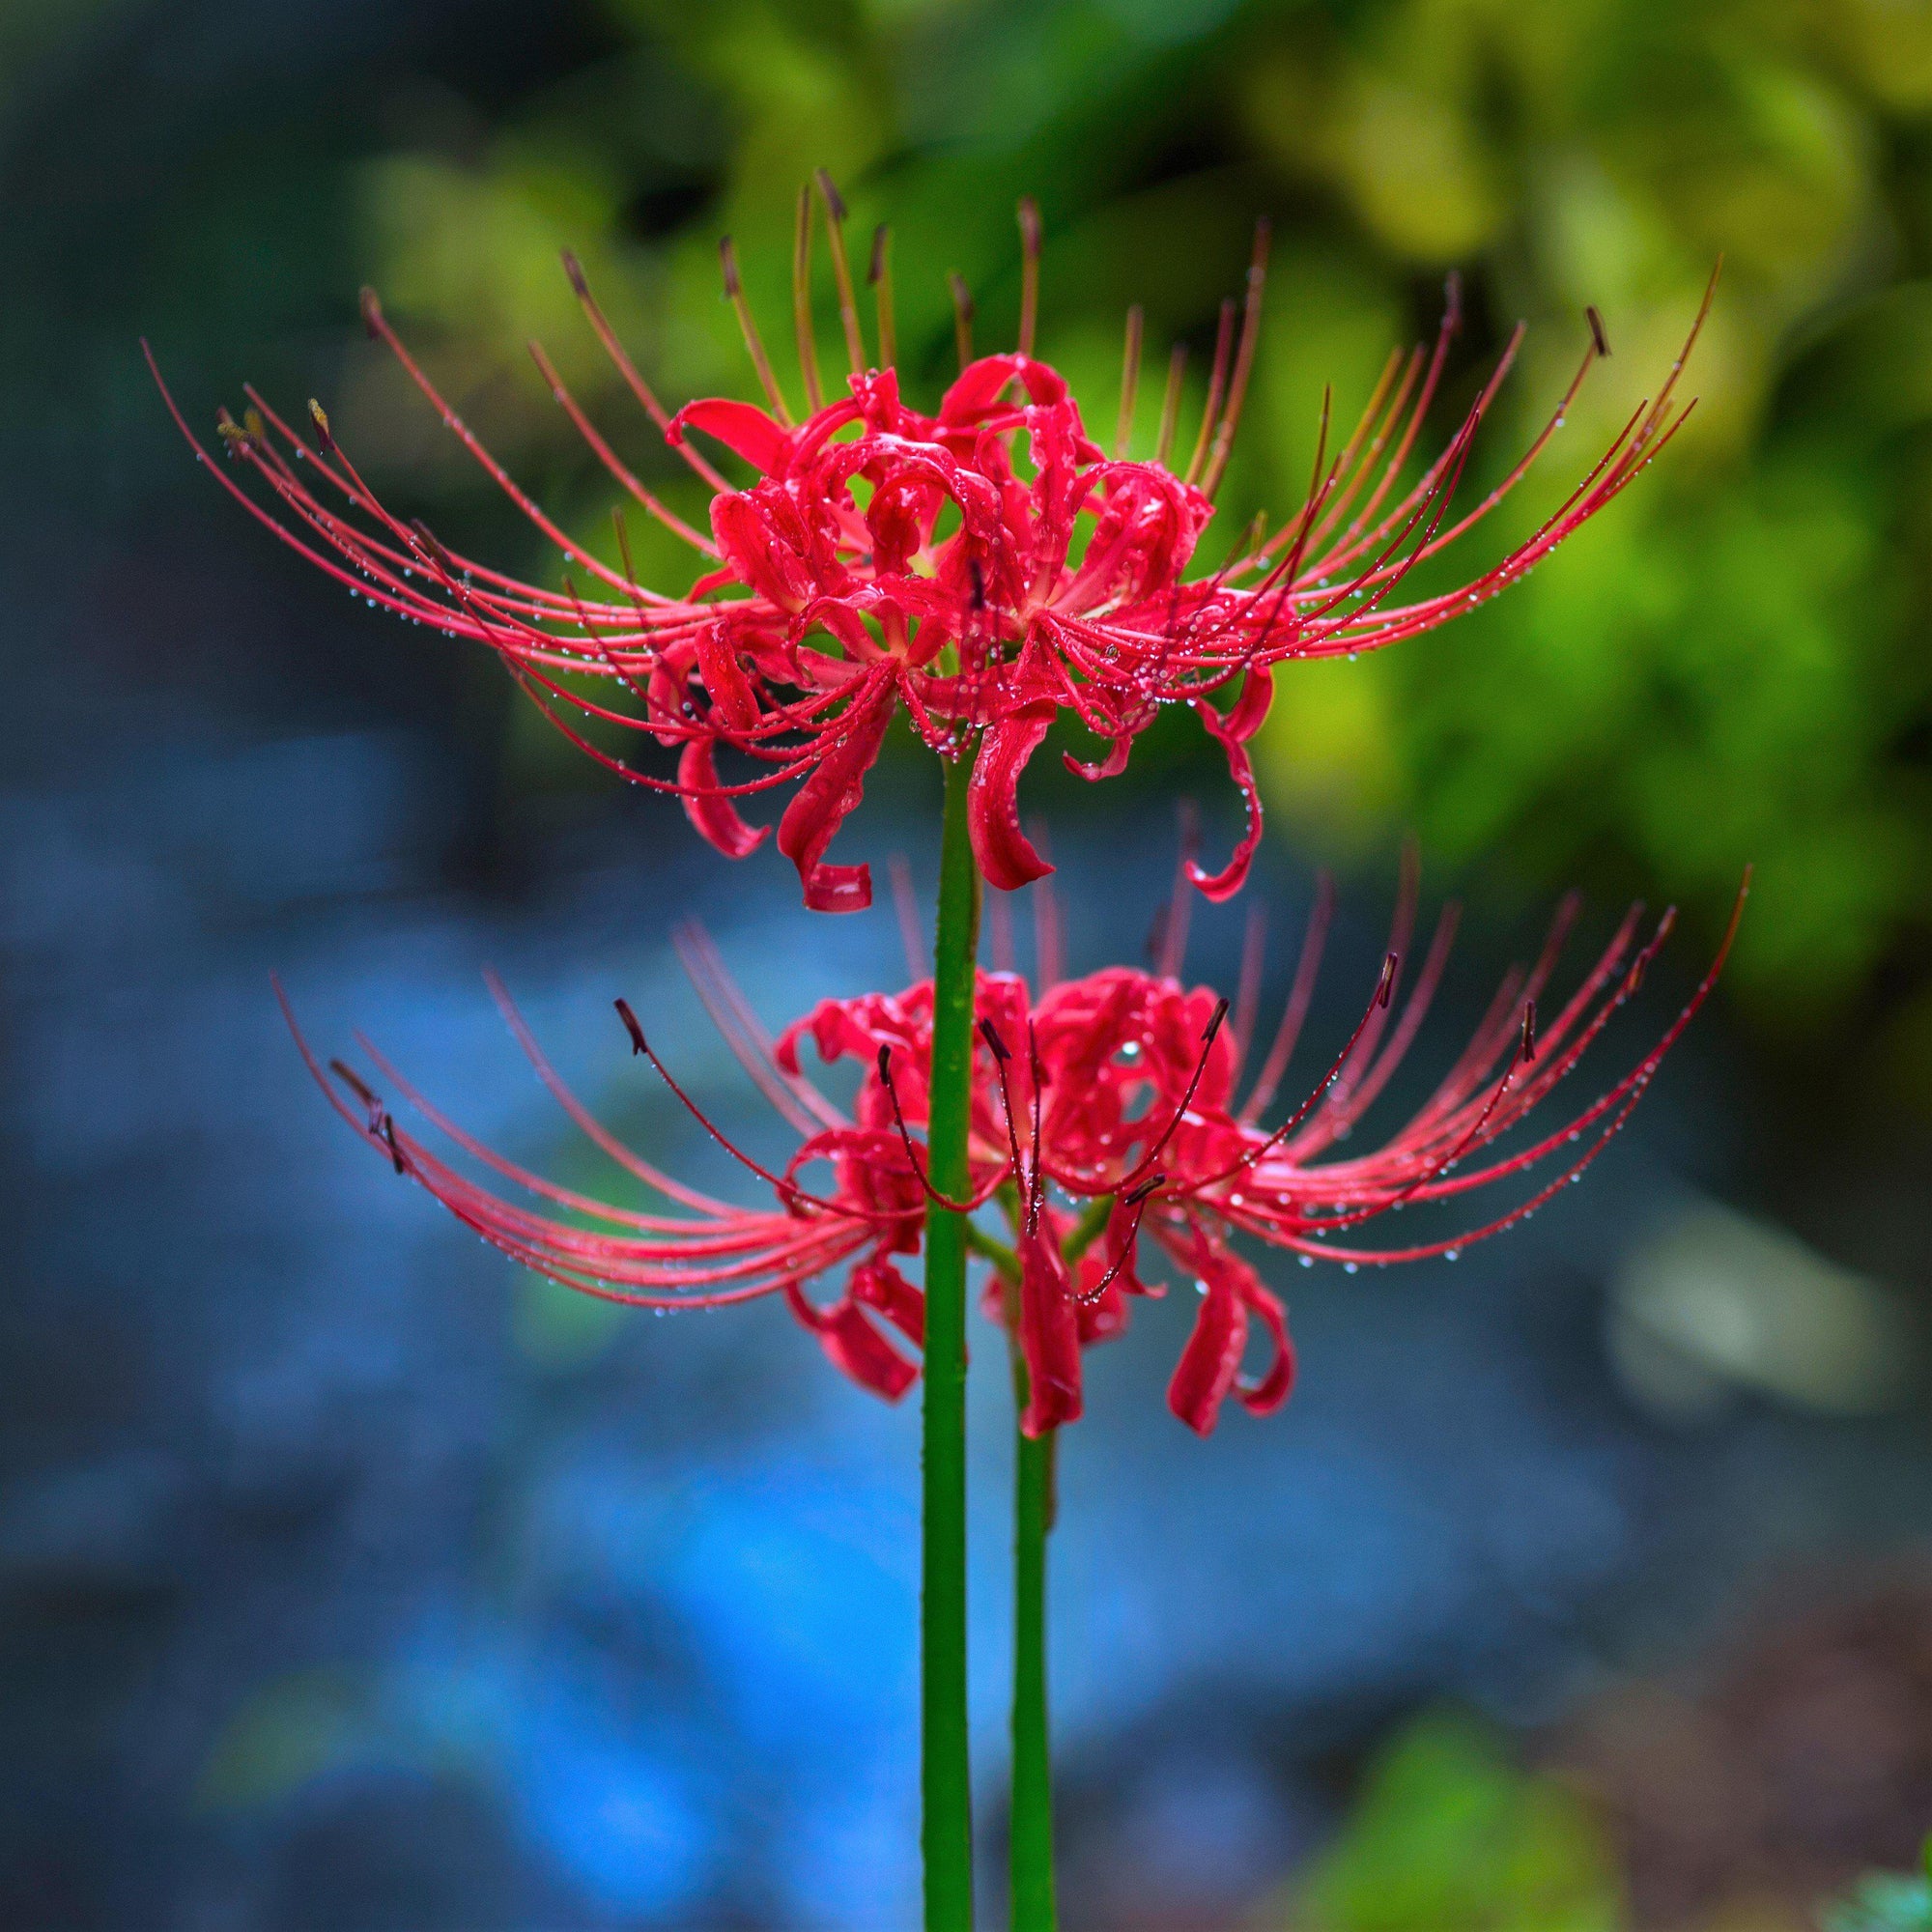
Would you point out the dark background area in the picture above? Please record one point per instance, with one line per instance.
(351, 1578)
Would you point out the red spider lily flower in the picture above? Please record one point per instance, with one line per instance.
(986, 567)
(1105, 1111)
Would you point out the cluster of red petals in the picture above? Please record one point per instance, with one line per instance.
(1106, 1111)
(986, 568)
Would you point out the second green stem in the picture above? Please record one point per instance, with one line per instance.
(1031, 1825)
(946, 1777)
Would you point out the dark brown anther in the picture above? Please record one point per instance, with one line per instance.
(1028, 271)
(1529, 1029)
(1136, 1195)
(433, 546)
(395, 1153)
(1385, 989)
(372, 313)
(1597, 332)
(355, 1084)
(977, 571)
(1452, 300)
(727, 257)
(880, 277)
(834, 202)
(990, 1033)
(1214, 1025)
(320, 417)
(630, 1026)
(962, 315)
(574, 269)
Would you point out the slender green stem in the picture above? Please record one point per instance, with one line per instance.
(946, 1784)
(1031, 1843)
(1089, 1227)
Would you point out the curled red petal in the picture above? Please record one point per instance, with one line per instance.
(981, 384)
(1233, 875)
(824, 799)
(880, 1284)
(732, 697)
(1248, 712)
(715, 816)
(738, 426)
(1267, 1394)
(1006, 856)
(1210, 1361)
(1109, 767)
(854, 1346)
(1049, 1334)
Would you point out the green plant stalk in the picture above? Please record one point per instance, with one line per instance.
(946, 1783)
(1031, 1836)
(1030, 1847)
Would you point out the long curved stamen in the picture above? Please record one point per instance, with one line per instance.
(790, 1190)
(1130, 376)
(842, 269)
(1137, 1201)
(761, 363)
(880, 276)
(997, 1046)
(1244, 362)
(1218, 376)
(1036, 1188)
(962, 316)
(885, 1064)
(801, 303)
(1148, 1159)
(628, 370)
(1302, 991)
(1429, 1175)
(1028, 271)
(1377, 1002)
(1170, 403)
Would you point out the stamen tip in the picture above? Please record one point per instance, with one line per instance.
(630, 1026)
(320, 416)
(834, 202)
(372, 312)
(727, 257)
(1597, 334)
(574, 269)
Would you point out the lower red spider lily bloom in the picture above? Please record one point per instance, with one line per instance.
(987, 568)
(1104, 1112)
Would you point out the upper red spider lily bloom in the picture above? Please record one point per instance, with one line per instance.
(1104, 1109)
(986, 567)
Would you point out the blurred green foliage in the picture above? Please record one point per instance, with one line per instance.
(1887, 1904)
(1730, 664)
(1449, 1835)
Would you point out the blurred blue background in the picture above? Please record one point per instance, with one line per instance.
(352, 1578)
